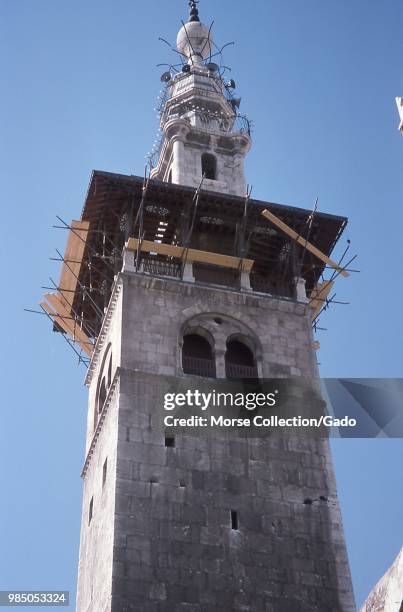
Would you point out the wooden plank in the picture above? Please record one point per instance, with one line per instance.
(73, 255)
(318, 296)
(57, 305)
(61, 321)
(66, 326)
(76, 333)
(55, 301)
(308, 245)
(217, 259)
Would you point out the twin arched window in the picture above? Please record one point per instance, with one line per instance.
(198, 358)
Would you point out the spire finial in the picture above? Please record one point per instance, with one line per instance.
(194, 13)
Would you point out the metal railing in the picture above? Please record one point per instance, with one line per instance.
(264, 285)
(235, 371)
(215, 275)
(160, 267)
(198, 366)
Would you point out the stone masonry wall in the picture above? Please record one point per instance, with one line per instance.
(156, 311)
(230, 170)
(174, 545)
(98, 538)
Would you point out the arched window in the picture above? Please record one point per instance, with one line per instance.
(104, 383)
(209, 166)
(102, 395)
(197, 356)
(239, 361)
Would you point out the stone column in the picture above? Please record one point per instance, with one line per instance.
(300, 291)
(245, 281)
(220, 363)
(178, 163)
(188, 272)
(128, 261)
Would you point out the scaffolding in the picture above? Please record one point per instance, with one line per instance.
(163, 227)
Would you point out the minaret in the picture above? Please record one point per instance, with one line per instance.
(168, 284)
(202, 134)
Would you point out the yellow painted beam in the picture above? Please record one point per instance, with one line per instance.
(225, 261)
(318, 296)
(286, 229)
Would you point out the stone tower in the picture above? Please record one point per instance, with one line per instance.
(176, 285)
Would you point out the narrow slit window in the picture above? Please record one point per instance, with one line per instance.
(110, 372)
(104, 472)
(234, 519)
(102, 395)
(169, 441)
(91, 511)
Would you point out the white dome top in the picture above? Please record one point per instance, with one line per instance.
(194, 42)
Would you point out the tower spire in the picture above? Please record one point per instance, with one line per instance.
(201, 134)
(194, 12)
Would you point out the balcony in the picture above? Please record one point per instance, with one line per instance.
(198, 366)
(160, 267)
(276, 287)
(215, 275)
(204, 267)
(234, 371)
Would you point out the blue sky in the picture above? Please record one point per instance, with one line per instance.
(318, 78)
